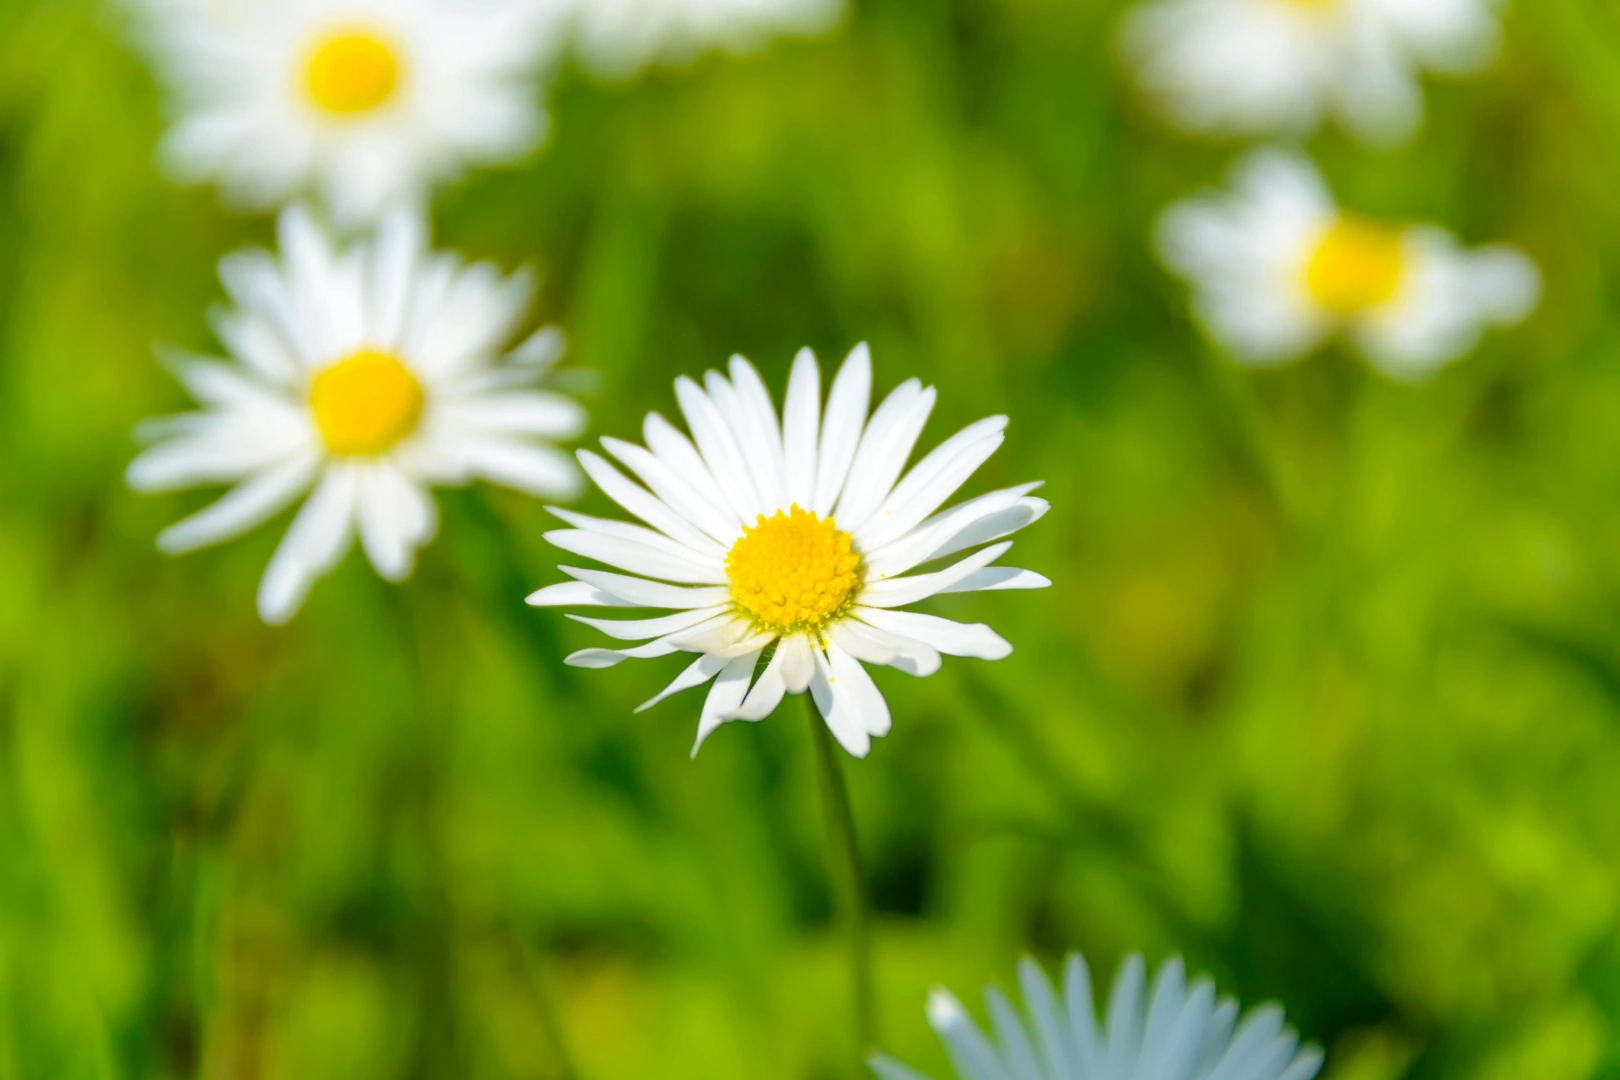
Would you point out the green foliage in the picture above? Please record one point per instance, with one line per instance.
(1326, 697)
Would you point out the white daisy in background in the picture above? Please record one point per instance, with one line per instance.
(367, 374)
(1250, 67)
(363, 102)
(793, 542)
(617, 38)
(1169, 1030)
(1276, 267)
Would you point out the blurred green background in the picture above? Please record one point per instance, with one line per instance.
(1326, 697)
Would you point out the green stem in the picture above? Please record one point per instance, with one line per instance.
(849, 886)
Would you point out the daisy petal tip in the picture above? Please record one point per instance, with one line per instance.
(944, 1011)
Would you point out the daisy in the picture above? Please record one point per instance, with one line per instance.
(1276, 267)
(366, 374)
(1256, 66)
(1169, 1030)
(363, 102)
(793, 544)
(620, 37)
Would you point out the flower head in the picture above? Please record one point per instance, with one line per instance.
(620, 37)
(792, 542)
(368, 374)
(1168, 1030)
(1262, 66)
(1276, 267)
(363, 102)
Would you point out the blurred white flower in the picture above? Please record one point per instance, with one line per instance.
(367, 374)
(1264, 66)
(792, 540)
(1172, 1031)
(617, 38)
(362, 102)
(1276, 267)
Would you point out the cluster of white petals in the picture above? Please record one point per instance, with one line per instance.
(1166, 1030)
(619, 37)
(367, 373)
(1258, 67)
(1277, 267)
(706, 498)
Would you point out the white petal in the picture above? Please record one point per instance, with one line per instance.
(934, 480)
(641, 629)
(759, 434)
(840, 709)
(1013, 1040)
(884, 451)
(666, 562)
(753, 442)
(852, 682)
(400, 238)
(707, 553)
(927, 540)
(889, 1069)
(541, 349)
(1026, 512)
(767, 693)
(841, 429)
(969, 1051)
(653, 594)
(574, 594)
(697, 673)
(518, 412)
(1124, 1019)
(713, 532)
(801, 415)
(725, 695)
(729, 636)
(1082, 1015)
(951, 638)
(798, 665)
(719, 449)
(536, 470)
(315, 542)
(872, 645)
(395, 516)
(252, 502)
(1051, 1039)
(638, 501)
(897, 592)
(998, 577)
(680, 457)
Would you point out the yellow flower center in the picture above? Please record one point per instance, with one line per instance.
(793, 571)
(1357, 265)
(352, 72)
(365, 404)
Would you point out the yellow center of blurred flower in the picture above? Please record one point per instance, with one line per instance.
(352, 72)
(365, 404)
(1357, 265)
(793, 571)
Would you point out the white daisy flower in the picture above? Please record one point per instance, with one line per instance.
(620, 37)
(1249, 67)
(363, 102)
(1167, 1031)
(367, 374)
(795, 542)
(1276, 267)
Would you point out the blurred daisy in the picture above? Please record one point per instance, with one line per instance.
(363, 102)
(620, 37)
(1257, 66)
(367, 374)
(1169, 1030)
(1276, 267)
(793, 542)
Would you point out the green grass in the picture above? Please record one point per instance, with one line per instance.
(1326, 697)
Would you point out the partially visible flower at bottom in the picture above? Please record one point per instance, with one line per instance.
(1276, 268)
(1169, 1030)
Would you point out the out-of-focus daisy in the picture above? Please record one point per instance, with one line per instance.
(619, 37)
(796, 542)
(1276, 267)
(363, 102)
(1168, 1030)
(1256, 66)
(367, 374)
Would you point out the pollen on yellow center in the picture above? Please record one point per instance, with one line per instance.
(1357, 265)
(352, 72)
(365, 403)
(793, 571)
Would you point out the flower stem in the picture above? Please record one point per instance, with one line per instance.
(849, 884)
